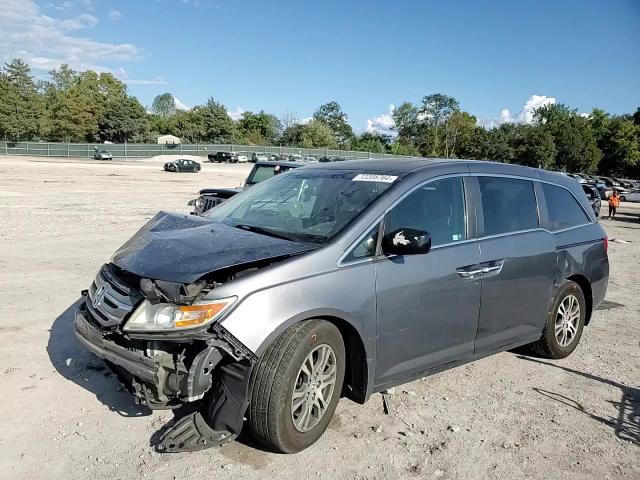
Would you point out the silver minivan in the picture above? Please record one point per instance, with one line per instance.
(340, 280)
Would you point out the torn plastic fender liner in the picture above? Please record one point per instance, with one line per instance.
(220, 420)
(225, 403)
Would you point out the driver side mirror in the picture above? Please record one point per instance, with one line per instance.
(406, 241)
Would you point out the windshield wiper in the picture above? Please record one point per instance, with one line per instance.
(261, 230)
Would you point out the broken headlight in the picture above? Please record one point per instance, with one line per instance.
(163, 317)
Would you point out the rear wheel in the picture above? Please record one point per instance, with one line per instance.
(565, 322)
(296, 386)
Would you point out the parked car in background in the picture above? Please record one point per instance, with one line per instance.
(630, 197)
(341, 279)
(240, 157)
(102, 154)
(220, 157)
(613, 185)
(182, 165)
(594, 197)
(261, 171)
(259, 157)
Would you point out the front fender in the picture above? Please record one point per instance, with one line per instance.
(347, 294)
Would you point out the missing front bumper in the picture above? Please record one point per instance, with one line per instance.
(160, 382)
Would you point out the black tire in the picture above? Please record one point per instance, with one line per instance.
(622, 198)
(549, 346)
(273, 382)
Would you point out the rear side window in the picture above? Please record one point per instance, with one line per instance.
(508, 204)
(564, 210)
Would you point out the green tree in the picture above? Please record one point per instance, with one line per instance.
(316, 134)
(331, 114)
(213, 123)
(574, 139)
(533, 147)
(124, 120)
(20, 104)
(406, 123)
(370, 142)
(458, 130)
(164, 105)
(260, 128)
(620, 148)
(437, 110)
(76, 102)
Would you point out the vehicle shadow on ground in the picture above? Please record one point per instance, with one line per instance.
(83, 368)
(627, 423)
(624, 218)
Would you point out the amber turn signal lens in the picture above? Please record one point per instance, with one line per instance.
(193, 315)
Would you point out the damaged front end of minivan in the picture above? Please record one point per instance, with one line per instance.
(159, 330)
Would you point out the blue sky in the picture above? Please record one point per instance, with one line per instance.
(291, 56)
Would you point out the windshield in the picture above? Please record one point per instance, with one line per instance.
(306, 206)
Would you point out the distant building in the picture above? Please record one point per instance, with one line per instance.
(168, 140)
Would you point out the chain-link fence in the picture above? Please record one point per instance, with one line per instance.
(143, 150)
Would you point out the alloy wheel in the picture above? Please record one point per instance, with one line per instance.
(567, 320)
(314, 388)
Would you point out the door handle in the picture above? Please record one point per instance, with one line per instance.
(481, 269)
(491, 269)
(492, 266)
(469, 273)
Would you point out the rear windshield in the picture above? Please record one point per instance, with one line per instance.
(303, 205)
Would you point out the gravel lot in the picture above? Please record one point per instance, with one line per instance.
(64, 416)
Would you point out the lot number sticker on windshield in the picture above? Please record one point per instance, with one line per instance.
(370, 177)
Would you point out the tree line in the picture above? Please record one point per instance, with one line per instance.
(89, 106)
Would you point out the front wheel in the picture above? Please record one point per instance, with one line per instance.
(623, 198)
(296, 385)
(565, 322)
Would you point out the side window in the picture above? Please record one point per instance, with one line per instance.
(564, 210)
(436, 207)
(366, 247)
(508, 205)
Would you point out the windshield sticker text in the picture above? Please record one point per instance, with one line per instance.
(370, 177)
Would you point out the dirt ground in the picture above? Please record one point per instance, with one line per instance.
(64, 416)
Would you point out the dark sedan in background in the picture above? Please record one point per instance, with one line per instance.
(182, 165)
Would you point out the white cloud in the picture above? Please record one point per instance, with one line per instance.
(46, 43)
(505, 117)
(179, 105)
(534, 102)
(77, 23)
(526, 114)
(304, 121)
(154, 81)
(115, 15)
(383, 123)
(237, 113)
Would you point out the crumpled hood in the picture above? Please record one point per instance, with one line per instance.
(183, 248)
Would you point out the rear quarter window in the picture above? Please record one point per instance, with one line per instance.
(563, 209)
(508, 205)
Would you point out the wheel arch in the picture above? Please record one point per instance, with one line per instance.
(585, 286)
(356, 378)
(358, 370)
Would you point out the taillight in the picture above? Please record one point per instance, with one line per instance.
(606, 245)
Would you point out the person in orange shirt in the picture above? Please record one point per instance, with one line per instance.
(614, 203)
